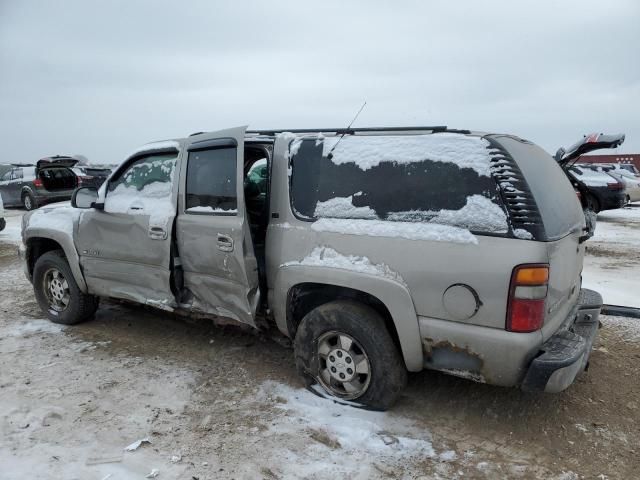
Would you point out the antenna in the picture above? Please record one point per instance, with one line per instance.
(330, 154)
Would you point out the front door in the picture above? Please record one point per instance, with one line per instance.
(125, 249)
(214, 241)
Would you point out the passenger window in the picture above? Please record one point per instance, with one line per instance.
(148, 181)
(6, 177)
(212, 181)
(17, 174)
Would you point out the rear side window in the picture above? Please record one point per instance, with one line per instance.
(212, 181)
(443, 179)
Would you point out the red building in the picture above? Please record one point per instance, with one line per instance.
(633, 158)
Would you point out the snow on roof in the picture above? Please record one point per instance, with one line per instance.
(155, 146)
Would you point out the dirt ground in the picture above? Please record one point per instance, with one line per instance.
(221, 403)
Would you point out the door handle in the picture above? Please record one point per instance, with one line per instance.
(157, 233)
(225, 243)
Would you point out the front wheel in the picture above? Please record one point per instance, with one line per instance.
(3, 224)
(346, 348)
(58, 293)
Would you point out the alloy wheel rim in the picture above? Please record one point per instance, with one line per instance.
(27, 202)
(56, 289)
(344, 367)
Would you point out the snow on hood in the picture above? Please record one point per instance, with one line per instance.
(61, 218)
(368, 151)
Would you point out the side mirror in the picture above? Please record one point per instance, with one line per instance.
(84, 197)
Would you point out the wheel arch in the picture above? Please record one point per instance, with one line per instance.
(299, 289)
(37, 245)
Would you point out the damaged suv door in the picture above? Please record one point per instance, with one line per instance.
(213, 237)
(124, 242)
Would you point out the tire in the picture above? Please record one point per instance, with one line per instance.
(326, 327)
(28, 201)
(3, 224)
(57, 292)
(594, 203)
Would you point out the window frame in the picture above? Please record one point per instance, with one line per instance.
(205, 146)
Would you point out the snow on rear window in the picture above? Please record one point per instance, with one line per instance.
(370, 151)
(439, 178)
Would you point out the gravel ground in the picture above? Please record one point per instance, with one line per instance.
(219, 402)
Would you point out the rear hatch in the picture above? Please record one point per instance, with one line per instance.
(563, 226)
(54, 174)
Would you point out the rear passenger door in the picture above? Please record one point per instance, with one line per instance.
(5, 188)
(214, 242)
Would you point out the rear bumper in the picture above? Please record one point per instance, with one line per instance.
(563, 356)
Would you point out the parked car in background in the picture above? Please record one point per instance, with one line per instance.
(90, 176)
(630, 181)
(629, 167)
(603, 191)
(3, 222)
(377, 251)
(597, 191)
(51, 179)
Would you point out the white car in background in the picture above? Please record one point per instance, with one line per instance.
(3, 223)
(630, 180)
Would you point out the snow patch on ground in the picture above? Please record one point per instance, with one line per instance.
(328, 257)
(409, 230)
(350, 441)
(25, 327)
(628, 328)
(13, 230)
(369, 151)
(612, 262)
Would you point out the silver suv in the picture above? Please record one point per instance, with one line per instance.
(51, 179)
(377, 251)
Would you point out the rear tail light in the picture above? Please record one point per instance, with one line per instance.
(37, 182)
(527, 296)
(615, 186)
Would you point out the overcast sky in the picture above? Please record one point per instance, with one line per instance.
(101, 77)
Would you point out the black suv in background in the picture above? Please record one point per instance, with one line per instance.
(51, 179)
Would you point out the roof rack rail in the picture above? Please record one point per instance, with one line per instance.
(350, 131)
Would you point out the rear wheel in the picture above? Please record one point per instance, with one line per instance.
(58, 293)
(29, 201)
(594, 203)
(346, 348)
(3, 224)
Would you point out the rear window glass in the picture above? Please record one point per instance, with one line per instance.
(442, 179)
